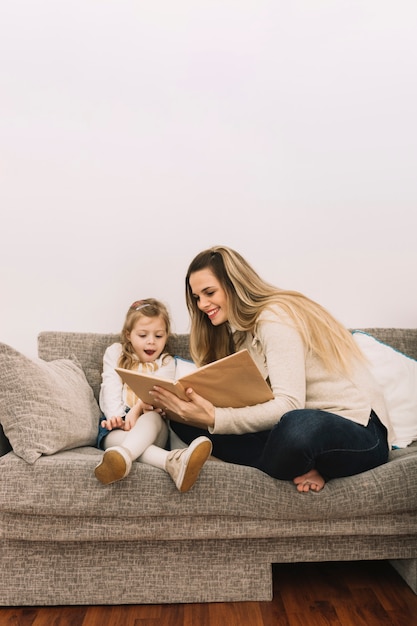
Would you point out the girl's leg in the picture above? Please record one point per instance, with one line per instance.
(310, 447)
(122, 447)
(146, 441)
(149, 429)
(155, 456)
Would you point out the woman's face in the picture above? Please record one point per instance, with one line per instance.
(210, 296)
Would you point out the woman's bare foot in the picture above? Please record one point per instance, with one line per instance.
(312, 480)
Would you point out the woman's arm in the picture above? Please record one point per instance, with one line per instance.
(280, 346)
(281, 349)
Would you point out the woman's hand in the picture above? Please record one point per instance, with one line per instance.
(197, 411)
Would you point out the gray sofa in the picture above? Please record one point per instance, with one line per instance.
(67, 539)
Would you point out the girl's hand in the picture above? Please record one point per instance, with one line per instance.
(147, 407)
(196, 410)
(133, 415)
(135, 412)
(113, 422)
(131, 419)
(141, 407)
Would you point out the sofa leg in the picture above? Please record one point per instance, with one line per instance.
(407, 569)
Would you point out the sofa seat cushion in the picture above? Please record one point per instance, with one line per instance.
(59, 497)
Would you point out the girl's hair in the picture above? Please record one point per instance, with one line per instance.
(247, 296)
(141, 308)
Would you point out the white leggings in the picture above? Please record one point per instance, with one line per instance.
(145, 441)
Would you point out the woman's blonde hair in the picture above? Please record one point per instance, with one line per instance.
(247, 296)
(148, 307)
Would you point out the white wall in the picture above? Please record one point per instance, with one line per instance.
(134, 134)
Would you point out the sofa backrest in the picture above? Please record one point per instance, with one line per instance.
(402, 339)
(89, 349)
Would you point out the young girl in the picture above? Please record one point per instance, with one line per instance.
(328, 417)
(131, 428)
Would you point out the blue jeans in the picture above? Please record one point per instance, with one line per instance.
(302, 440)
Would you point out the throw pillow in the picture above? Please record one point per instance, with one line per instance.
(397, 375)
(45, 406)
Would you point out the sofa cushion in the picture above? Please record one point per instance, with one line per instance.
(396, 373)
(59, 496)
(45, 406)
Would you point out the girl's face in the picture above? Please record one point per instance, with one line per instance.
(148, 338)
(210, 296)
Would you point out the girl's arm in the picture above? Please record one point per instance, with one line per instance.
(111, 391)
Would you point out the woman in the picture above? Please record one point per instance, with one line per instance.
(328, 417)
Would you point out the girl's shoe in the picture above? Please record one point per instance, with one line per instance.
(115, 465)
(184, 465)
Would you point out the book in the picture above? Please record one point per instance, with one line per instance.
(234, 381)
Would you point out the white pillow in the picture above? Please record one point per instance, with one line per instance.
(183, 367)
(397, 375)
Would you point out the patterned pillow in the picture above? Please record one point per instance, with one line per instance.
(397, 375)
(45, 406)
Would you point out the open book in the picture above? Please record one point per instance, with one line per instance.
(233, 381)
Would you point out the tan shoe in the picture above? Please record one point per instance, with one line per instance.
(184, 465)
(115, 465)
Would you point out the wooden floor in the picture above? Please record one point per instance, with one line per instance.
(316, 594)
